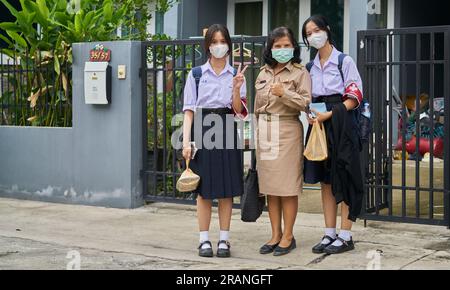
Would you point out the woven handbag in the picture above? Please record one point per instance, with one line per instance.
(188, 181)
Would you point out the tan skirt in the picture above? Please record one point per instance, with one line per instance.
(280, 157)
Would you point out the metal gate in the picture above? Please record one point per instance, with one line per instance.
(166, 65)
(407, 71)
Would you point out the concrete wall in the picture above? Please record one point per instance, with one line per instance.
(171, 22)
(357, 21)
(98, 161)
(36, 163)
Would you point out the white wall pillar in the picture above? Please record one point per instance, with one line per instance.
(304, 14)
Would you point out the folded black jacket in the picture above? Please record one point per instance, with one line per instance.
(344, 149)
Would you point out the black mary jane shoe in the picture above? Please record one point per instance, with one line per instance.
(223, 253)
(345, 247)
(205, 253)
(320, 248)
(279, 251)
(268, 249)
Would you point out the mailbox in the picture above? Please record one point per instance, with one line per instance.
(97, 83)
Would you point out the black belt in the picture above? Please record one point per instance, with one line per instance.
(331, 99)
(218, 111)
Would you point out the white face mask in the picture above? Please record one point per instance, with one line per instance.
(219, 50)
(318, 40)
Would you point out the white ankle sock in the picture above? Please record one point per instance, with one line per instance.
(345, 235)
(204, 237)
(330, 232)
(224, 236)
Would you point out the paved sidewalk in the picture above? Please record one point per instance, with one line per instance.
(36, 235)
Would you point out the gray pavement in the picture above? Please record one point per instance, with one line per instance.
(36, 235)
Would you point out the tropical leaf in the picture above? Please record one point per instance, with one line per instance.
(43, 8)
(107, 10)
(10, 26)
(43, 45)
(61, 17)
(27, 5)
(17, 39)
(88, 19)
(65, 84)
(61, 5)
(45, 55)
(34, 97)
(40, 16)
(78, 22)
(32, 119)
(57, 66)
(41, 36)
(69, 56)
(30, 17)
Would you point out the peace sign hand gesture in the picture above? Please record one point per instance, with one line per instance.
(239, 79)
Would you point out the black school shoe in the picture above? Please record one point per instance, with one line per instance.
(279, 251)
(320, 248)
(223, 253)
(345, 247)
(268, 249)
(205, 253)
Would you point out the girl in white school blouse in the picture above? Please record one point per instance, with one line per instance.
(214, 91)
(337, 83)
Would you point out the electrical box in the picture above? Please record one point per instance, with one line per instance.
(97, 83)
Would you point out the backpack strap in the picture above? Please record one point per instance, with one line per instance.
(341, 58)
(234, 72)
(197, 74)
(309, 65)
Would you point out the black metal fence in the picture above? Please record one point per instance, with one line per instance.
(404, 70)
(406, 75)
(166, 66)
(33, 90)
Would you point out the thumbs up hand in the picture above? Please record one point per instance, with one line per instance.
(277, 89)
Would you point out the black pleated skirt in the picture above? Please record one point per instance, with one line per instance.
(320, 171)
(220, 169)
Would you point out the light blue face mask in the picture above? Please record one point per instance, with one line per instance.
(283, 55)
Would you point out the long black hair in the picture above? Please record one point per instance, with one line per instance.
(323, 24)
(276, 34)
(209, 37)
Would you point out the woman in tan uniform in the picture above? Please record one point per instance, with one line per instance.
(283, 91)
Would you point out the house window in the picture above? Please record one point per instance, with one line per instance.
(333, 10)
(159, 17)
(248, 18)
(284, 13)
